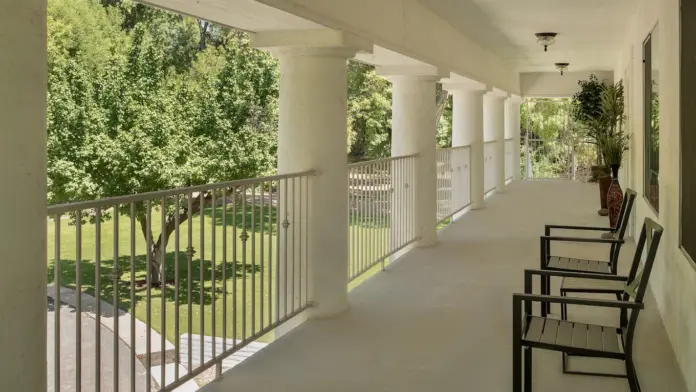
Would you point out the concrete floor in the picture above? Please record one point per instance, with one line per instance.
(440, 318)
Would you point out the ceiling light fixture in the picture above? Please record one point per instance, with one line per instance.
(546, 39)
(562, 67)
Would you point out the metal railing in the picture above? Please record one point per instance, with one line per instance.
(489, 165)
(158, 288)
(559, 159)
(452, 181)
(381, 210)
(549, 159)
(509, 158)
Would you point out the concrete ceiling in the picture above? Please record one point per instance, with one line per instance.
(246, 15)
(590, 32)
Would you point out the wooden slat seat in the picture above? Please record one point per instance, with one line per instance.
(579, 265)
(559, 334)
(579, 285)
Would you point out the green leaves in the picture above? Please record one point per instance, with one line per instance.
(369, 112)
(134, 106)
(588, 100)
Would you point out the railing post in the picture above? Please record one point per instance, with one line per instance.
(494, 123)
(23, 77)
(513, 131)
(528, 173)
(573, 163)
(414, 132)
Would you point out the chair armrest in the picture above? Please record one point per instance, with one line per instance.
(602, 303)
(581, 275)
(581, 239)
(548, 228)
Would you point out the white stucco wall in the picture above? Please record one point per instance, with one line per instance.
(674, 278)
(553, 84)
(409, 28)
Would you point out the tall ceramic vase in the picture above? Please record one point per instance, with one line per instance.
(614, 197)
(604, 183)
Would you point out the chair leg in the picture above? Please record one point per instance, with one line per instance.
(527, 369)
(516, 366)
(564, 308)
(543, 292)
(548, 292)
(633, 383)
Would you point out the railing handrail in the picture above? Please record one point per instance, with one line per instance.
(454, 148)
(381, 160)
(57, 209)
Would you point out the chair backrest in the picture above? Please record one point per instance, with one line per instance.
(639, 275)
(621, 226)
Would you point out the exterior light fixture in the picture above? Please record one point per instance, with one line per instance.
(562, 67)
(546, 39)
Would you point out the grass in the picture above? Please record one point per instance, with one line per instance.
(250, 265)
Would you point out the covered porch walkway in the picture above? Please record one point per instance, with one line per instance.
(440, 318)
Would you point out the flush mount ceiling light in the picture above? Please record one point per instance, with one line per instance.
(546, 39)
(562, 67)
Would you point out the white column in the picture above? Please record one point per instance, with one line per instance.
(312, 135)
(467, 130)
(23, 81)
(495, 130)
(513, 130)
(414, 132)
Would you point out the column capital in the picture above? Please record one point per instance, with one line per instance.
(456, 83)
(319, 42)
(423, 72)
(515, 99)
(496, 93)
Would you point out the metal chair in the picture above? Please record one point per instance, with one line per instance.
(548, 261)
(579, 339)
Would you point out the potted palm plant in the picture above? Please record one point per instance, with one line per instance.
(613, 144)
(587, 112)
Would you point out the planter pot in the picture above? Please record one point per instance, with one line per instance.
(598, 171)
(604, 183)
(614, 197)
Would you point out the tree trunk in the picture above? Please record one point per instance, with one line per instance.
(442, 97)
(156, 275)
(203, 30)
(155, 250)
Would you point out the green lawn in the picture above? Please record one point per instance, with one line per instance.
(253, 266)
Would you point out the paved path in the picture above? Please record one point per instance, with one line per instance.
(68, 354)
(68, 350)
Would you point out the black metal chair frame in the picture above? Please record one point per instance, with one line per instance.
(614, 251)
(523, 314)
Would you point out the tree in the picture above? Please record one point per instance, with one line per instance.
(369, 112)
(142, 106)
(444, 123)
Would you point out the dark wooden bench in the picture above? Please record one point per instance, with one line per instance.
(583, 339)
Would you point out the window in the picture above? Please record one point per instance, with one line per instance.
(651, 123)
(688, 129)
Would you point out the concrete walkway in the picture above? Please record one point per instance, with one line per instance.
(68, 348)
(68, 298)
(68, 354)
(440, 319)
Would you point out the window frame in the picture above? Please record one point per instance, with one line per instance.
(647, 122)
(686, 103)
